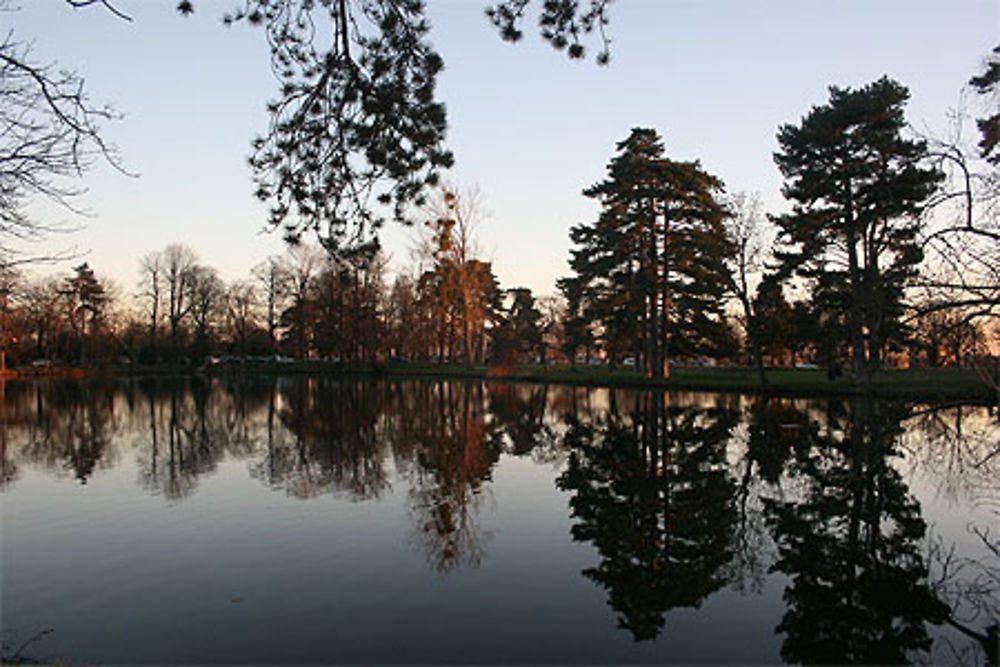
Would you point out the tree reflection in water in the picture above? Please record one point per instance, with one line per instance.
(851, 543)
(66, 427)
(520, 427)
(191, 426)
(334, 443)
(680, 494)
(454, 458)
(959, 453)
(653, 492)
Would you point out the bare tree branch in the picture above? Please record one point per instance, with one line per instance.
(50, 134)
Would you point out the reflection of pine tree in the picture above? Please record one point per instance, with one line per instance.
(73, 427)
(776, 428)
(653, 493)
(852, 547)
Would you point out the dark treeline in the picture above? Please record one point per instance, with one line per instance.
(304, 304)
(681, 495)
(868, 270)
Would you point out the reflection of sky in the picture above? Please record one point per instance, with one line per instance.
(956, 471)
(716, 78)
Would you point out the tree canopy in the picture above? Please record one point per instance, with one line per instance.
(857, 186)
(989, 126)
(651, 271)
(357, 134)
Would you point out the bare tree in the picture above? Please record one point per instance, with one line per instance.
(962, 245)
(553, 312)
(40, 303)
(454, 216)
(241, 312)
(9, 279)
(151, 284)
(746, 230)
(301, 264)
(271, 276)
(50, 134)
(961, 273)
(178, 263)
(207, 293)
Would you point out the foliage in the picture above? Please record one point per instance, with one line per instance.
(356, 135)
(857, 187)
(518, 334)
(651, 271)
(562, 23)
(356, 126)
(989, 127)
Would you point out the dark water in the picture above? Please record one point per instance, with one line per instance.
(322, 521)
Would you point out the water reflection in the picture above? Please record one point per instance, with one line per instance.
(851, 543)
(65, 428)
(446, 433)
(680, 496)
(653, 492)
(334, 444)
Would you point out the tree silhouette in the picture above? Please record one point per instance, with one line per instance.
(651, 271)
(50, 134)
(652, 494)
(334, 448)
(852, 546)
(857, 186)
(989, 127)
(356, 135)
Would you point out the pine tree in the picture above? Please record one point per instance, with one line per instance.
(651, 271)
(857, 187)
(86, 302)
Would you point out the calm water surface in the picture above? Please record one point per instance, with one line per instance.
(321, 521)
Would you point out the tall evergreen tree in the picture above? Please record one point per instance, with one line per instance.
(86, 300)
(651, 270)
(857, 186)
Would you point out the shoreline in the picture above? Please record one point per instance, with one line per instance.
(921, 384)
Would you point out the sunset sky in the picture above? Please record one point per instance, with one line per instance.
(529, 128)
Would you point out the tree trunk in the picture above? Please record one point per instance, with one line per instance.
(854, 314)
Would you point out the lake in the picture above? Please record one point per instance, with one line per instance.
(312, 520)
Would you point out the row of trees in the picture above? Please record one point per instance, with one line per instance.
(868, 253)
(652, 276)
(305, 304)
(664, 272)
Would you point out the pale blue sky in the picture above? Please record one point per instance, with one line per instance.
(715, 77)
